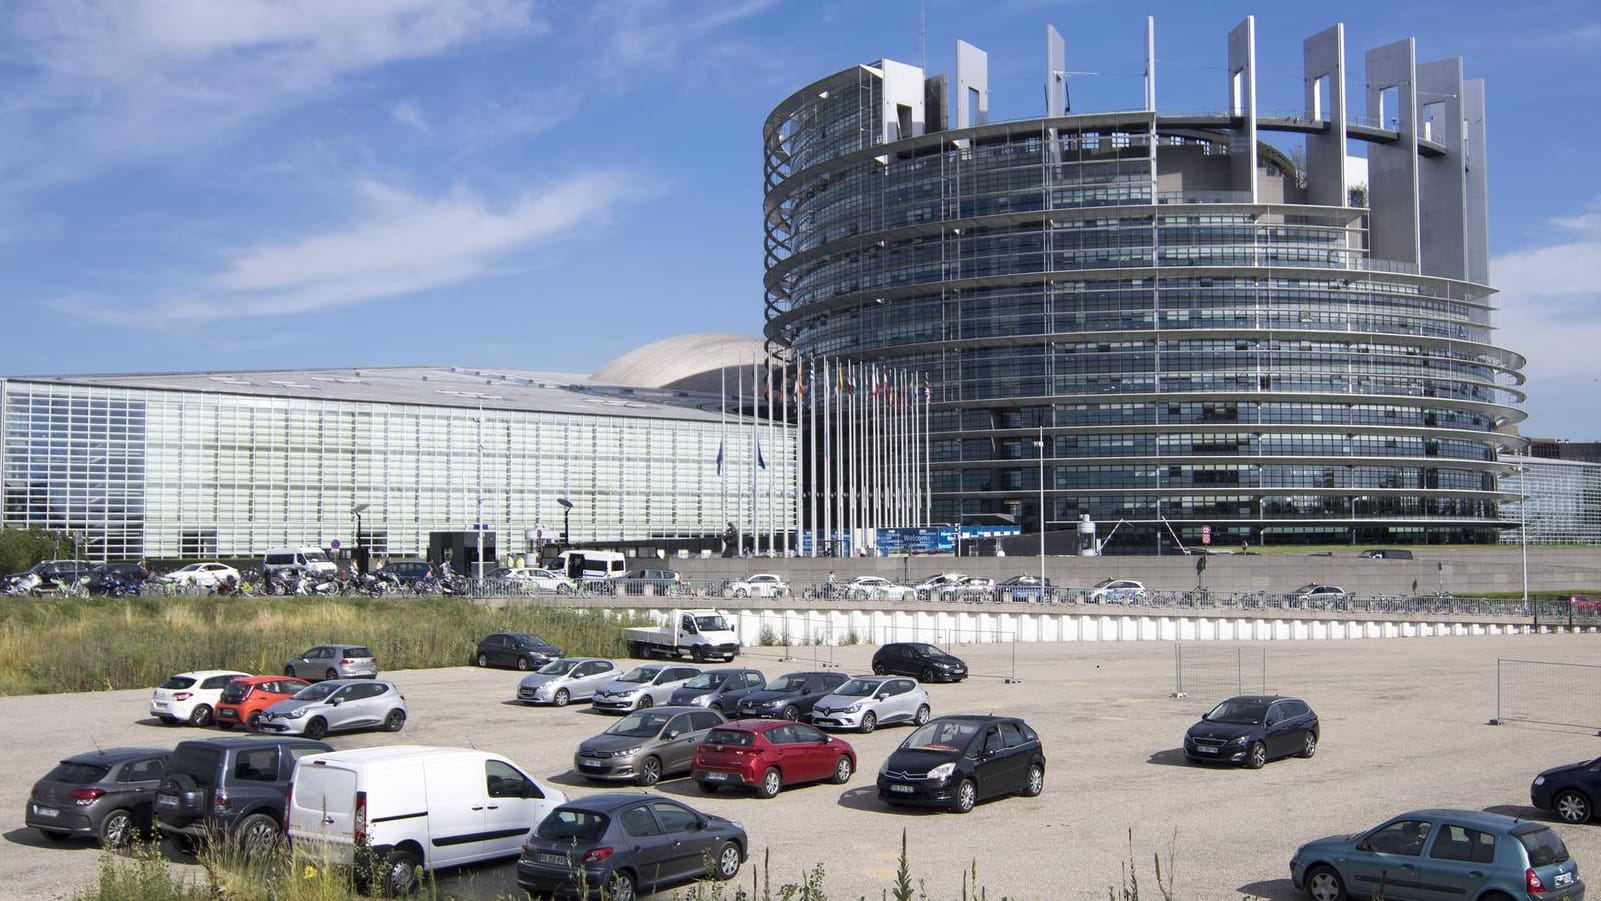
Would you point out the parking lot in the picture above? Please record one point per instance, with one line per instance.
(1403, 727)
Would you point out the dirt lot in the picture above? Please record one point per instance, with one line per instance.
(1403, 727)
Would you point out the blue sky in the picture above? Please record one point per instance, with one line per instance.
(191, 184)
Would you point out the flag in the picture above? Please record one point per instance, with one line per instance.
(928, 390)
(719, 459)
(760, 460)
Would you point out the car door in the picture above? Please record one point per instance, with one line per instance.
(457, 808)
(1457, 863)
(592, 675)
(515, 804)
(900, 700)
(813, 752)
(687, 841)
(661, 689)
(1279, 730)
(1384, 863)
(314, 662)
(137, 782)
(652, 849)
(680, 737)
(990, 763)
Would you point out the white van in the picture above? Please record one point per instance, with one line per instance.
(302, 559)
(413, 805)
(589, 566)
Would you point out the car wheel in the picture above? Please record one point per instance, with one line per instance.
(483, 660)
(927, 675)
(620, 886)
(966, 797)
(707, 788)
(317, 728)
(843, 769)
(523, 664)
(1309, 744)
(289, 671)
(741, 593)
(922, 715)
(116, 830)
(258, 834)
(254, 722)
(400, 872)
(201, 715)
(1323, 884)
(644, 702)
(771, 782)
(562, 697)
(698, 653)
(727, 861)
(395, 721)
(1573, 807)
(563, 588)
(879, 670)
(1256, 755)
(331, 674)
(792, 713)
(650, 770)
(1036, 781)
(869, 722)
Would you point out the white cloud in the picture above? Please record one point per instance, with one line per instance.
(406, 113)
(401, 244)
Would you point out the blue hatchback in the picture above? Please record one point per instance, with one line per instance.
(1440, 854)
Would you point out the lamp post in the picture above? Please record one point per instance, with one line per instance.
(356, 511)
(566, 521)
(1523, 526)
(1041, 445)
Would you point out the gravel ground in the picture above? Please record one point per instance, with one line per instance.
(1404, 726)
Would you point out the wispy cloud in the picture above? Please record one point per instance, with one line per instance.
(401, 244)
(407, 113)
(95, 81)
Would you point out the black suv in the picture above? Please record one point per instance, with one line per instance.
(105, 794)
(920, 660)
(791, 696)
(1253, 729)
(229, 787)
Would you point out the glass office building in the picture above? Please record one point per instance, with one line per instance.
(228, 464)
(1250, 326)
(1557, 501)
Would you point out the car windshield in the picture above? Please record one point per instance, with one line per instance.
(77, 773)
(646, 724)
(927, 650)
(640, 674)
(560, 667)
(193, 567)
(941, 736)
(568, 824)
(790, 682)
(1544, 847)
(176, 682)
(737, 737)
(317, 692)
(712, 622)
(1306, 588)
(706, 680)
(858, 688)
(1106, 583)
(356, 652)
(526, 640)
(1237, 712)
(316, 557)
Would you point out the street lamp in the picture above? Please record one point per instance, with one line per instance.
(1523, 526)
(566, 521)
(356, 511)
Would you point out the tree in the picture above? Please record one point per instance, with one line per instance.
(22, 548)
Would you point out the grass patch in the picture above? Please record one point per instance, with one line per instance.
(138, 642)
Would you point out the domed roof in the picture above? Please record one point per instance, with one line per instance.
(687, 362)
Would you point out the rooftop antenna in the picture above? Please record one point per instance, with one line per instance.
(96, 742)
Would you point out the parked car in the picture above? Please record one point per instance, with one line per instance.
(930, 588)
(971, 590)
(760, 585)
(957, 761)
(1439, 854)
(1313, 594)
(565, 680)
(1026, 589)
(203, 575)
(769, 754)
(646, 745)
(337, 705)
(1253, 729)
(920, 660)
(191, 696)
(1569, 791)
(43, 576)
(104, 576)
(527, 578)
(1115, 591)
(410, 806)
(229, 787)
(865, 702)
(659, 582)
(408, 572)
(643, 686)
(719, 689)
(624, 845)
(877, 588)
(243, 699)
(791, 696)
(103, 794)
(1386, 553)
(334, 661)
(522, 650)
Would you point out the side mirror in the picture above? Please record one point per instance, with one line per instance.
(671, 734)
(335, 702)
(1364, 845)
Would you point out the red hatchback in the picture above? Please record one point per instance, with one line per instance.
(244, 699)
(769, 754)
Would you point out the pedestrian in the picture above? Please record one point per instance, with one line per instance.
(1245, 546)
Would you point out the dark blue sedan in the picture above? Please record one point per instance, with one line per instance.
(1569, 791)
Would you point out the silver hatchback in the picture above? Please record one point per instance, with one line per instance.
(334, 661)
(566, 679)
(334, 705)
(866, 701)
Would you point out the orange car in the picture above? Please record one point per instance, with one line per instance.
(244, 699)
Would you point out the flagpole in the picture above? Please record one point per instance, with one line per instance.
(722, 436)
(756, 453)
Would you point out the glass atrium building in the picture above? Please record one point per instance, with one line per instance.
(1257, 327)
(227, 465)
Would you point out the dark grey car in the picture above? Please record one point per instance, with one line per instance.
(224, 787)
(719, 689)
(101, 794)
(647, 745)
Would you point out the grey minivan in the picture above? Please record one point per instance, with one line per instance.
(644, 746)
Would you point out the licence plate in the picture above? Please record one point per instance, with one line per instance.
(901, 789)
(1202, 749)
(1564, 879)
(590, 764)
(716, 777)
(548, 857)
(46, 811)
(227, 713)
(159, 705)
(166, 801)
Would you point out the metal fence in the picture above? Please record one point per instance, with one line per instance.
(1210, 672)
(1546, 692)
(813, 640)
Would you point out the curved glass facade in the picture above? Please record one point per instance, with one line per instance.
(1194, 352)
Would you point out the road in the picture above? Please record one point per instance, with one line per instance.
(1404, 726)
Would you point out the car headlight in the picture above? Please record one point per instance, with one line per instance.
(293, 714)
(1237, 740)
(701, 700)
(627, 752)
(1539, 780)
(943, 771)
(853, 708)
